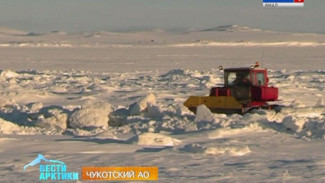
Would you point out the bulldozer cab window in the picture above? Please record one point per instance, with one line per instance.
(239, 78)
(231, 77)
(260, 79)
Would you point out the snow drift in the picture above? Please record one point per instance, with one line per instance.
(91, 114)
(155, 139)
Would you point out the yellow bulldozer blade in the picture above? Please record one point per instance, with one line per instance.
(217, 104)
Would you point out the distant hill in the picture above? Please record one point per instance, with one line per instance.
(231, 28)
(10, 31)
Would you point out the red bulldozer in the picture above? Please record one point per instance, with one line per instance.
(244, 89)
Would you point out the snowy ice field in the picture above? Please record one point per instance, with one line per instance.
(115, 99)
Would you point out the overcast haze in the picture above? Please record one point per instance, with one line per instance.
(134, 15)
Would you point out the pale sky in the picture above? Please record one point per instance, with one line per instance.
(133, 15)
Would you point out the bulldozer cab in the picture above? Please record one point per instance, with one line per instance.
(245, 77)
(241, 81)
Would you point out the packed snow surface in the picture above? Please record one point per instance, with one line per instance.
(125, 108)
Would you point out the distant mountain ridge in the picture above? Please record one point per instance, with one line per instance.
(231, 28)
(98, 33)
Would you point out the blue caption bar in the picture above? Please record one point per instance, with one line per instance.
(278, 1)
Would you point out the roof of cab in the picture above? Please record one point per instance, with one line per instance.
(238, 69)
(242, 69)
